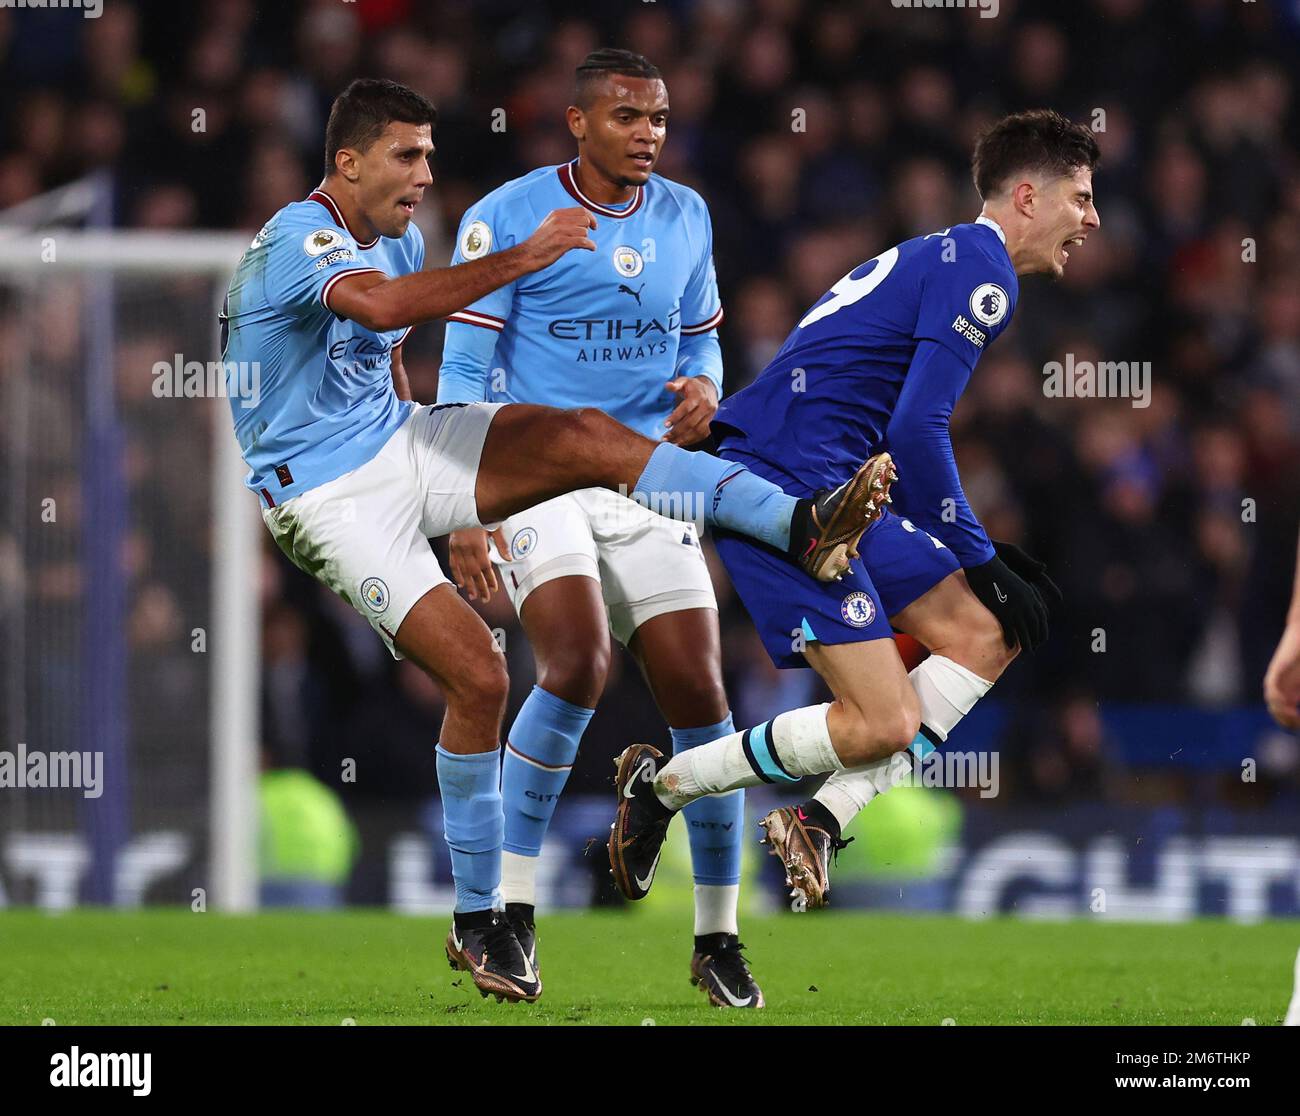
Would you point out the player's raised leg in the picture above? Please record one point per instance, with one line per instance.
(448, 639)
(585, 448)
(875, 713)
(968, 654)
(926, 594)
(799, 837)
(932, 601)
(680, 654)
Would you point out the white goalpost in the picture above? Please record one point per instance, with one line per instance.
(128, 287)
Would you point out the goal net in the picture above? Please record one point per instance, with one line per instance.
(129, 567)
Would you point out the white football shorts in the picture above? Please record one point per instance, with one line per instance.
(366, 534)
(646, 564)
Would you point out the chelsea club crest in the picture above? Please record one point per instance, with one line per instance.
(858, 609)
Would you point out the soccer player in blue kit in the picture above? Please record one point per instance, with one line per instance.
(354, 478)
(631, 329)
(878, 363)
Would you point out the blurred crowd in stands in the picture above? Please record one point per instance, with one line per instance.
(820, 134)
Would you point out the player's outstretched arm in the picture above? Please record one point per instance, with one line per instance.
(1282, 680)
(382, 304)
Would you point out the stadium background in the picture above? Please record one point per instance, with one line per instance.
(819, 133)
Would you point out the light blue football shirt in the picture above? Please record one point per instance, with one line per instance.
(324, 403)
(603, 329)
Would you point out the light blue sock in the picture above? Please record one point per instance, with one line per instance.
(715, 822)
(540, 750)
(473, 825)
(685, 485)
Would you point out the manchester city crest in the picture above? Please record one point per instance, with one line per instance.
(375, 593)
(521, 546)
(627, 261)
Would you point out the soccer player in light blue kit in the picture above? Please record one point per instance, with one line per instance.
(882, 358)
(354, 478)
(631, 329)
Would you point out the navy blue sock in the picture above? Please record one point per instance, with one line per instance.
(473, 825)
(715, 823)
(685, 485)
(540, 750)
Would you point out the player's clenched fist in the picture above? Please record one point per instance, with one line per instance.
(560, 231)
(1016, 589)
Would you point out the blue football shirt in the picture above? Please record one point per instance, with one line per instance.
(604, 329)
(324, 402)
(847, 382)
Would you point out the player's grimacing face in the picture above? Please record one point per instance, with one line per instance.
(1067, 215)
(392, 175)
(624, 129)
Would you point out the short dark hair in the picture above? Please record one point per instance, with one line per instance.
(1039, 140)
(365, 108)
(600, 64)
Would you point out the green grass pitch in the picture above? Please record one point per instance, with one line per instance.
(164, 966)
